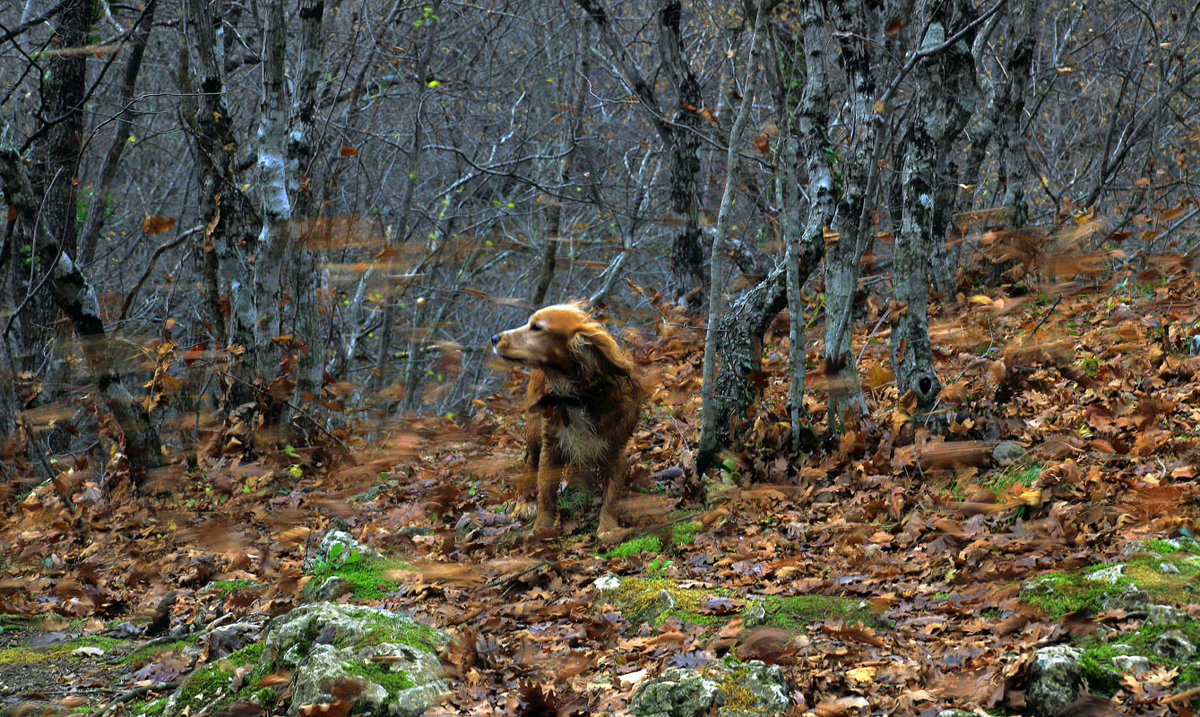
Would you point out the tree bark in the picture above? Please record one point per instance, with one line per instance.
(710, 422)
(75, 297)
(230, 237)
(938, 77)
(112, 159)
(858, 24)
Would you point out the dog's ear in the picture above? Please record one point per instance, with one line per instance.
(597, 353)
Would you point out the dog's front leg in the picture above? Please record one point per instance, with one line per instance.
(550, 474)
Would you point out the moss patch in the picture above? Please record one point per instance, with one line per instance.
(643, 600)
(24, 655)
(207, 690)
(1166, 577)
(369, 578)
(681, 534)
(225, 588)
(394, 681)
(404, 632)
(151, 652)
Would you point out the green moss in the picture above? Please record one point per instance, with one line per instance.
(393, 680)
(225, 588)
(794, 612)
(404, 632)
(575, 500)
(681, 534)
(207, 690)
(368, 577)
(150, 652)
(1059, 593)
(1014, 475)
(24, 655)
(148, 708)
(639, 599)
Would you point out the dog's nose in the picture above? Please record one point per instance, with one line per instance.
(495, 339)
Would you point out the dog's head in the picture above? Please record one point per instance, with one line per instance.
(565, 339)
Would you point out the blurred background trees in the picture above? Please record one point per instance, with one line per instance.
(236, 222)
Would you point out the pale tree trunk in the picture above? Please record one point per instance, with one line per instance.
(230, 236)
(813, 137)
(858, 24)
(271, 352)
(942, 62)
(1010, 142)
(120, 138)
(301, 154)
(566, 163)
(76, 298)
(960, 95)
(711, 420)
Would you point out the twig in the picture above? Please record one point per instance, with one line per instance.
(128, 695)
(1039, 324)
(150, 267)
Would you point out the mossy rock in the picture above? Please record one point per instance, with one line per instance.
(366, 576)
(735, 689)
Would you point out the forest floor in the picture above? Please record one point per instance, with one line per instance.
(917, 544)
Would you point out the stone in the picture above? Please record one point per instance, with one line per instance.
(1165, 615)
(1174, 645)
(955, 713)
(1053, 679)
(734, 689)
(335, 547)
(1131, 664)
(1110, 574)
(386, 650)
(1131, 599)
(1007, 452)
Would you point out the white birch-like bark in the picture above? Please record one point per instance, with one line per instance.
(709, 418)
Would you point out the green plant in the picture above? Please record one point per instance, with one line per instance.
(656, 568)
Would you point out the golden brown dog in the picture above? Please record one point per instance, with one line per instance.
(585, 397)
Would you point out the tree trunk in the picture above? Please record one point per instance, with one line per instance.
(75, 297)
(271, 353)
(858, 25)
(683, 145)
(120, 138)
(230, 236)
(711, 423)
(938, 76)
(301, 156)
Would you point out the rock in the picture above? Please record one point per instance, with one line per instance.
(327, 590)
(322, 642)
(1131, 599)
(1109, 575)
(1174, 645)
(124, 630)
(735, 689)
(335, 547)
(663, 603)
(225, 639)
(1131, 664)
(955, 713)
(1053, 679)
(1007, 452)
(1165, 615)
(411, 530)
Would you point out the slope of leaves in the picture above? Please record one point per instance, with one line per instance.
(1095, 385)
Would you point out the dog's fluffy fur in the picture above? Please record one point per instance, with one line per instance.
(585, 396)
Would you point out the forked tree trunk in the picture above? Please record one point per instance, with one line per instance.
(75, 297)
